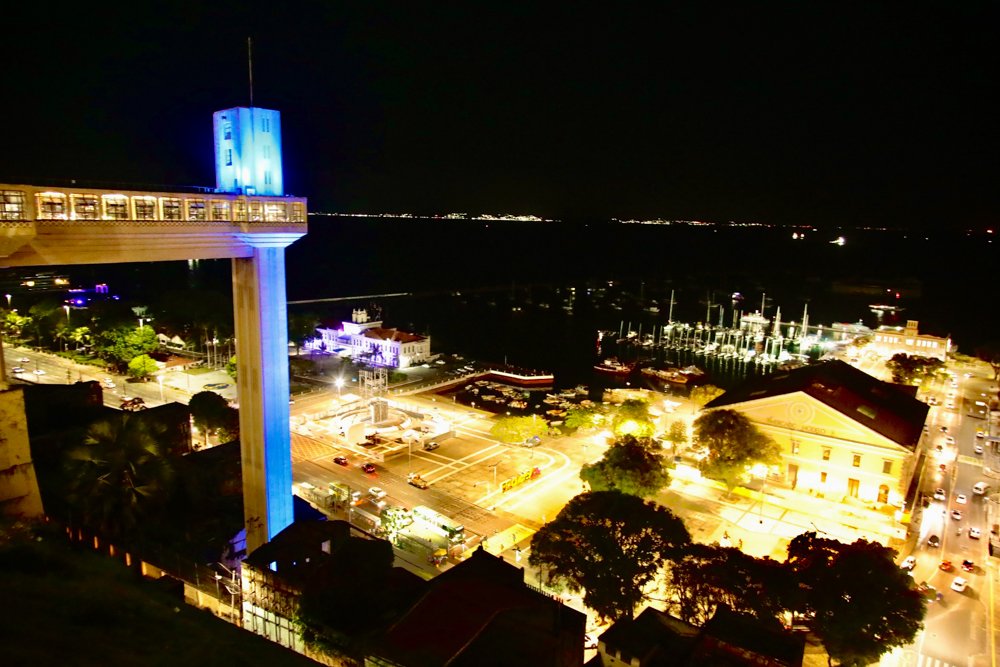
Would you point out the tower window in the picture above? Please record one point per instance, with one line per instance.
(229, 157)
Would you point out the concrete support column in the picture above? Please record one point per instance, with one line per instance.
(262, 381)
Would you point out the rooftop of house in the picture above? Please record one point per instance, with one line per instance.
(480, 609)
(888, 409)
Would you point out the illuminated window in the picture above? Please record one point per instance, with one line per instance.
(298, 212)
(220, 209)
(229, 157)
(275, 212)
(196, 209)
(85, 207)
(11, 205)
(886, 467)
(145, 208)
(255, 211)
(822, 478)
(265, 124)
(171, 208)
(51, 206)
(240, 210)
(826, 453)
(115, 207)
(795, 446)
(227, 131)
(857, 461)
(267, 177)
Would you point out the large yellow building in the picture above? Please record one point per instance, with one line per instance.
(843, 433)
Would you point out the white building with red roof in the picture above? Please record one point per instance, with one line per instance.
(368, 340)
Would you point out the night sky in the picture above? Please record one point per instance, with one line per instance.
(841, 113)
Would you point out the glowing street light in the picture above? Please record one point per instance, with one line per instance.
(760, 470)
(8, 300)
(339, 382)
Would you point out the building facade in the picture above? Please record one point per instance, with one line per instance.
(368, 340)
(844, 435)
(888, 341)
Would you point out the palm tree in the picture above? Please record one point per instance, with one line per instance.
(118, 476)
(80, 336)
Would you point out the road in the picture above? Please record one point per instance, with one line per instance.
(957, 629)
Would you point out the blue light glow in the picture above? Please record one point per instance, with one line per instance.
(248, 151)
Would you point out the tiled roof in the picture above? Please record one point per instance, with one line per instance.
(885, 408)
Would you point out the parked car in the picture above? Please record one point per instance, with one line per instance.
(934, 541)
(908, 563)
(939, 494)
(340, 460)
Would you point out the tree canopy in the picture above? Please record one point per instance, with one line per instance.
(631, 465)
(211, 414)
(907, 369)
(611, 546)
(702, 394)
(710, 575)
(632, 418)
(734, 444)
(142, 367)
(864, 604)
(677, 435)
(118, 476)
(516, 430)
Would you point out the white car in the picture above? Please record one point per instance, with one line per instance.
(977, 448)
(939, 494)
(377, 493)
(960, 499)
(956, 515)
(17, 370)
(39, 371)
(974, 533)
(908, 563)
(949, 439)
(959, 584)
(980, 434)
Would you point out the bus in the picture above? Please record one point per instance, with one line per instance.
(454, 532)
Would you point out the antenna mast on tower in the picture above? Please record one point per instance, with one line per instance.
(250, 65)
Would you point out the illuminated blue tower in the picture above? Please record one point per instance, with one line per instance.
(248, 151)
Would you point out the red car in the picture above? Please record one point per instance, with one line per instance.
(368, 468)
(340, 460)
(946, 566)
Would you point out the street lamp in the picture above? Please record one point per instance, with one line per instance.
(760, 470)
(339, 382)
(8, 300)
(160, 378)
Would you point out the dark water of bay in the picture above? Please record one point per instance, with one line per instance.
(535, 294)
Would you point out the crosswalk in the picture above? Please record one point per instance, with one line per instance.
(971, 460)
(927, 661)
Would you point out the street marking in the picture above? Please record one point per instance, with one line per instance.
(927, 661)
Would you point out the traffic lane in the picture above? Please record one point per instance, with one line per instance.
(954, 626)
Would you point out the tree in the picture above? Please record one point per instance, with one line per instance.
(864, 604)
(118, 476)
(909, 369)
(516, 430)
(677, 435)
(120, 345)
(990, 353)
(580, 417)
(80, 336)
(632, 418)
(734, 444)
(705, 393)
(301, 327)
(631, 465)
(232, 367)
(210, 412)
(610, 545)
(142, 367)
(710, 575)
